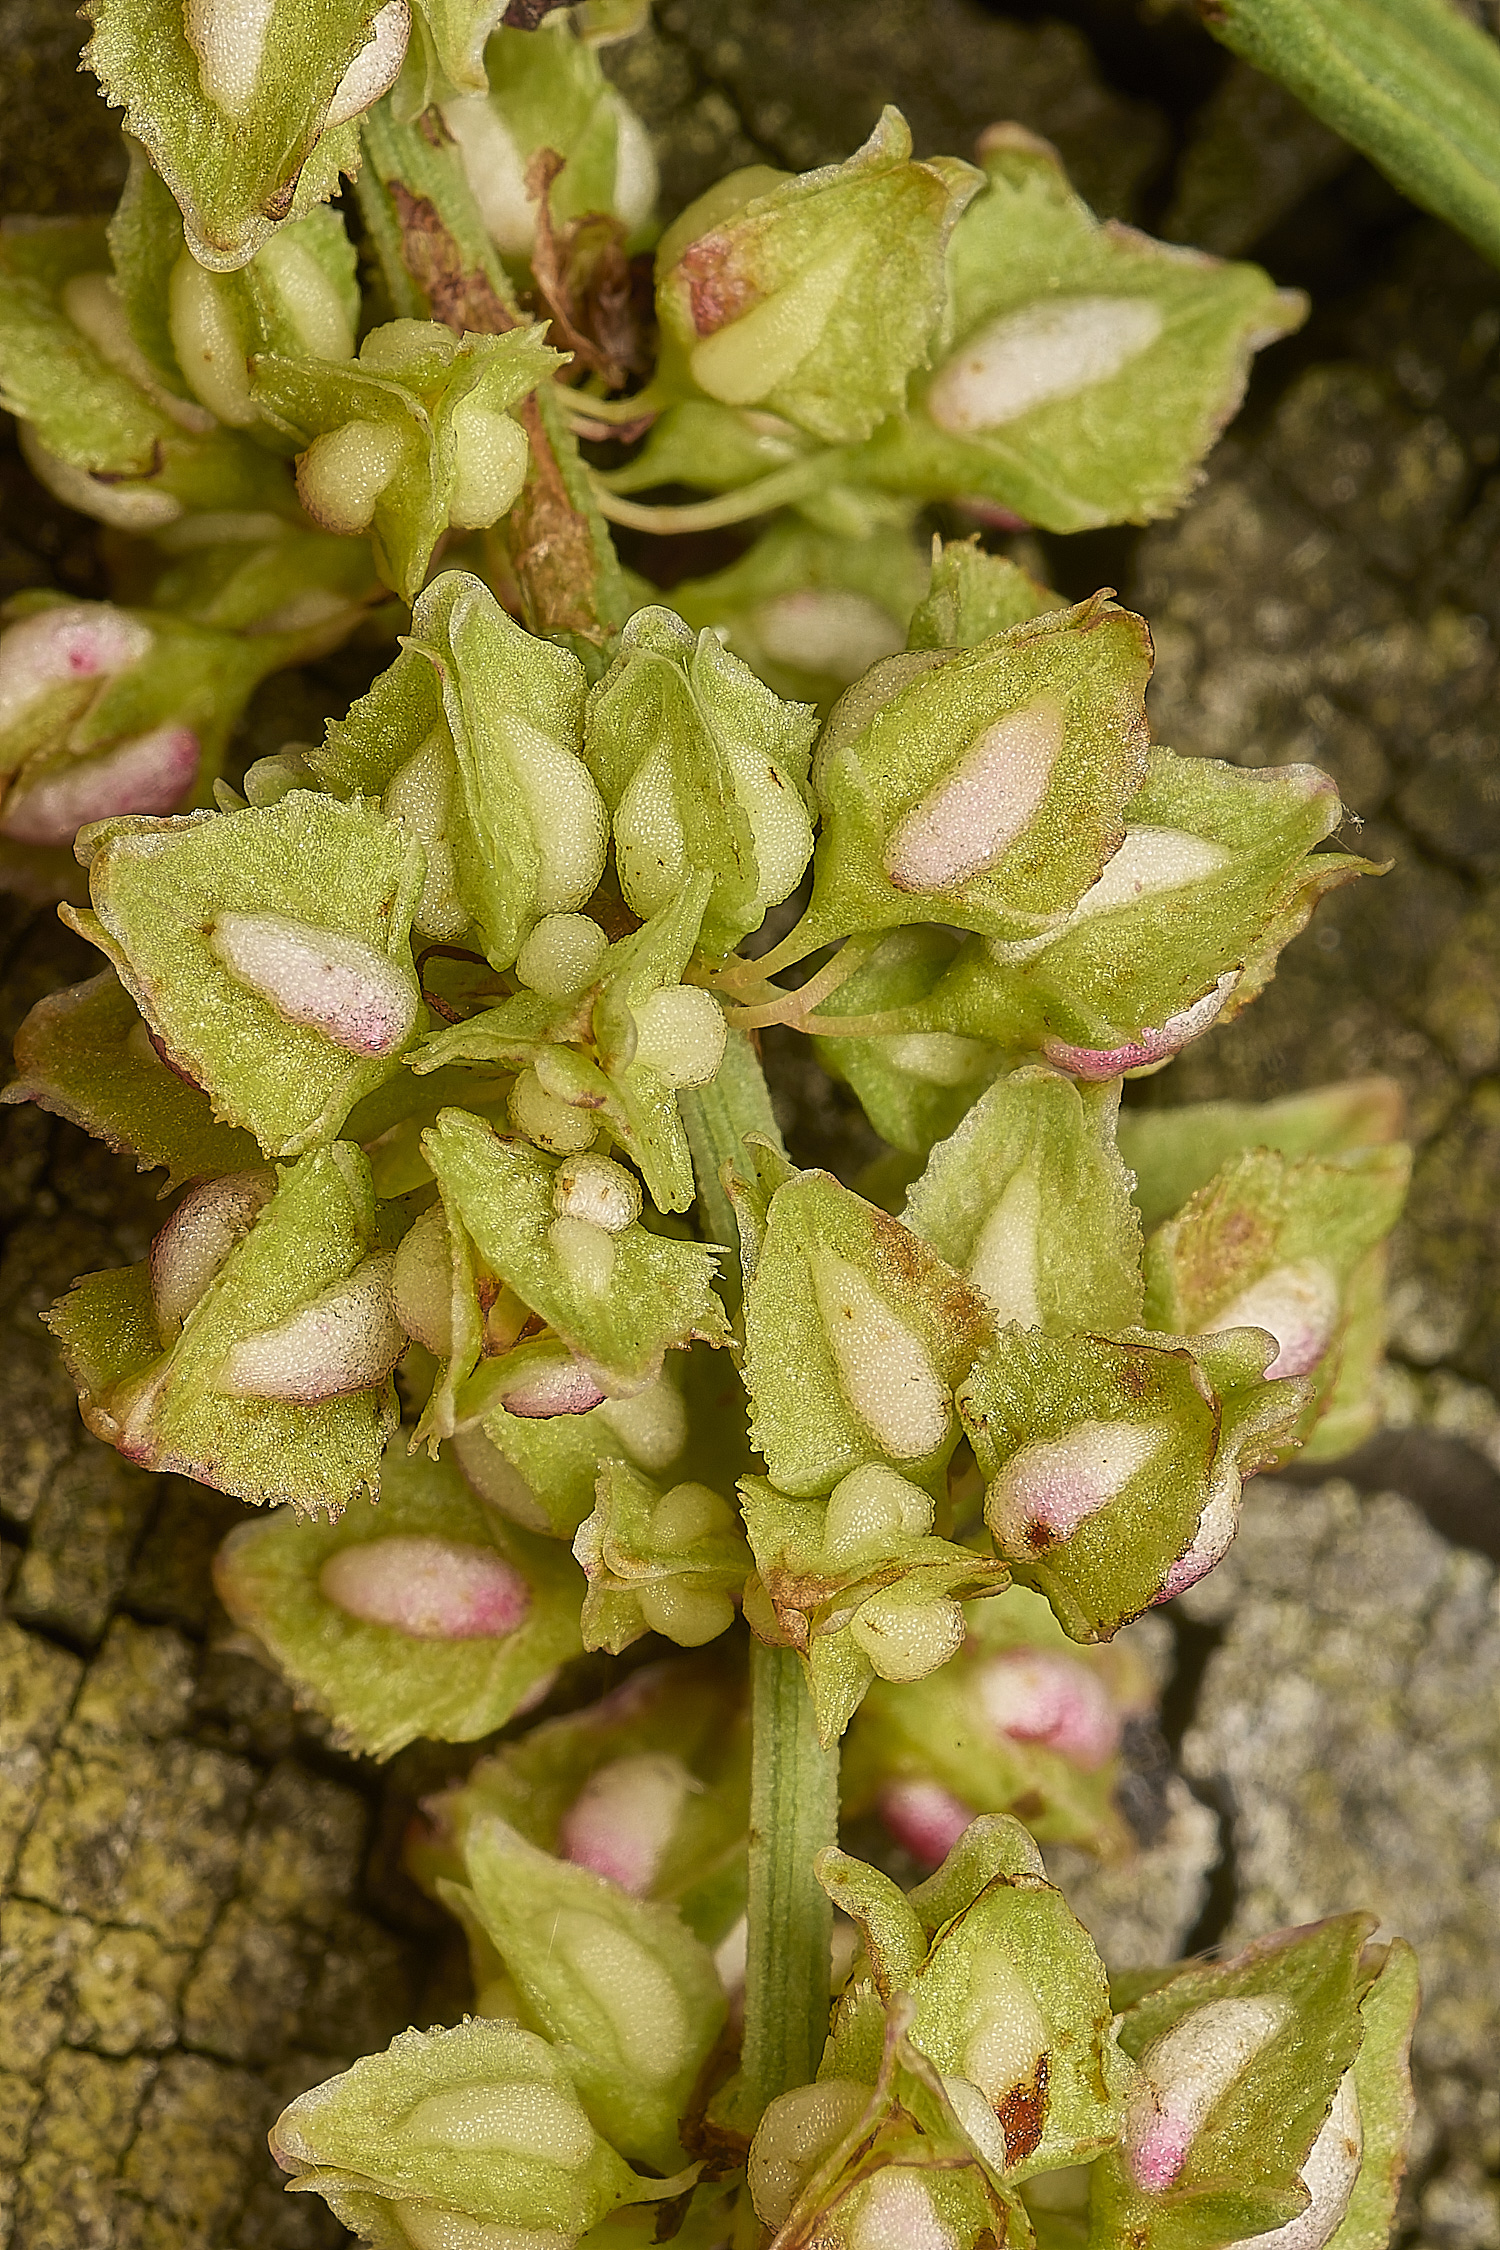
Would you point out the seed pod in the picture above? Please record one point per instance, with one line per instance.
(622, 1820)
(430, 1589)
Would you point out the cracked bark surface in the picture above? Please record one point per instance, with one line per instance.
(200, 1916)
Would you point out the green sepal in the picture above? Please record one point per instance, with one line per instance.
(681, 1725)
(815, 296)
(1275, 1242)
(621, 1985)
(104, 428)
(1241, 2172)
(973, 595)
(672, 1562)
(857, 1335)
(654, 1295)
(1114, 1466)
(1088, 369)
(990, 788)
(1382, 2082)
(417, 386)
(476, 1615)
(1012, 2003)
(388, 2137)
(703, 768)
(1174, 1152)
(915, 1087)
(159, 888)
(84, 1054)
(242, 139)
(880, 1606)
(165, 1405)
(806, 610)
(1218, 871)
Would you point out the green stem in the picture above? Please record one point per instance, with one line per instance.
(794, 1809)
(737, 506)
(716, 1119)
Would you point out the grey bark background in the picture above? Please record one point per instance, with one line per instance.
(202, 1911)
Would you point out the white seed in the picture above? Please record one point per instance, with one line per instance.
(420, 796)
(1149, 861)
(308, 297)
(747, 359)
(430, 1589)
(635, 168)
(563, 954)
(495, 171)
(345, 1341)
(515, 2117)
(1005, 2033)
(498, 1481)
(906, 1638)
(632, 1987)
(826, 629)
(1028, 358)
(1298, 1305)
(426, 2226)
(596, 1189)
(1185, 2073)
(375, 68)
(489, 469)
(323, 979)
(871, 1513)
(569, 824)
(681, 1034)
(1329, 2175)
(940, 1058)
(650, 841)
(1047, 1489)
(897, 2212)
(585, 1252)
(1005, 1266)
(793, 2137)
(229, 39)
(126, 507)
(622, 1819)
(209, 1222)
(149, 773)
(968, 822)
(553, 1125)
(343, 473)
(883, 1367)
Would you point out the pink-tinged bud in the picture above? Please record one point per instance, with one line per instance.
(333, 983)
(924, 1818)
(1151, 1046)
(149, 773)
(1040, 1695)
(84, 641)
(1329, 2174)
(621, 1821)
(976, 812)
(1211, 1542)
(1184, 2074)
(556, 1385)
(1298, 1305)
(431, 1589)
(1048, 1489)
(345, 1341)
(206, 1226)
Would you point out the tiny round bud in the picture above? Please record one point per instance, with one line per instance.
(795, 2134)
(430, 1589)
(682, 1612)
(343, 473)
(489, 468)
(652, 1426)
(689, 1513)
(209, 1223)
(681, 1033)
(599, 1190)
(906, 1637)
(553, 1125)
(871, 1513)
(563, 953)
(585, 1252)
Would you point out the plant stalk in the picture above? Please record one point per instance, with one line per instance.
(794, 1810)
(716, 1119)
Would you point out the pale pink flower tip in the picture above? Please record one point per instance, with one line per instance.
(926, 1819)
(1042, 1696)
(430, 1589)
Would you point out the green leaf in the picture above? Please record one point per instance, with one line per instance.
(1089, 368)
(84, 1054)
(481, 2123)
(857, 1335)
(670, 1562)
(989, 790)
(1173, 1152)
(703, 769)
(421, 1614)
(623, 1987)
(816, 296)
(190, 911)
(1030, 1200)
(253, 1350)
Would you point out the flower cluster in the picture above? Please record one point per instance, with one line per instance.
(490, 1278)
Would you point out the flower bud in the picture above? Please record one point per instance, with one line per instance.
(344, 1342)
(430, 1589)
(926, 1819)
(621, 1822)
(333, 983)
(1033, 1695)
(597, 1189)
(680, 1034)
(904, 1636)
(563, 954)
(872, 1511)
(556, 1126)
(344, 473)
(207, 1225)
(669, 1563)
(1185, 2073)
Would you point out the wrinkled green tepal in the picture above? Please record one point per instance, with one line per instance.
(812, 296)
(417, 1614)
(702, 767)
(857, 1335)
(915, 1087)
(973, 595)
